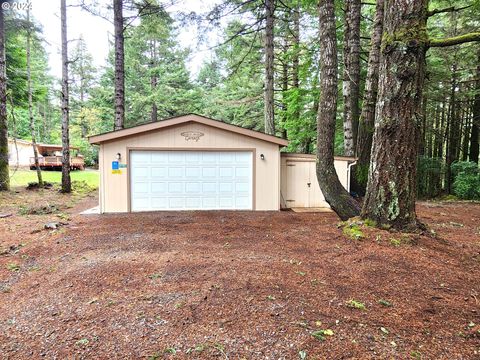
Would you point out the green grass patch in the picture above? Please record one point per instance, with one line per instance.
(23, 177)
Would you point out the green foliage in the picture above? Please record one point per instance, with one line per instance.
(355, 304)
(467, 180)
(385, 303)
(429, 176)
(322, 334)
(352, 229)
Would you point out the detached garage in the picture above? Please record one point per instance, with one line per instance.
(188, 162)
(192, 162)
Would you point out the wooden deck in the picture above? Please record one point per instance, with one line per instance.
(55, 163)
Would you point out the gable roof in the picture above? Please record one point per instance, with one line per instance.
(139, 129)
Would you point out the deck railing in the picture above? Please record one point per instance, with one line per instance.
(56, 161)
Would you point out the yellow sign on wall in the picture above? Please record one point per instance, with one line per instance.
(116, 171)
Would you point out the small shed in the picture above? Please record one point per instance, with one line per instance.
(299, 185)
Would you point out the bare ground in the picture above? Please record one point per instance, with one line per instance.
(233, 285)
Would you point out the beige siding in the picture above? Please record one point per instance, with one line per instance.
(297, 172)
(25, 152)
(114, 188)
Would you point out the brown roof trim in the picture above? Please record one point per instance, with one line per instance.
(112, 135)
(53, 146)
(313, 157)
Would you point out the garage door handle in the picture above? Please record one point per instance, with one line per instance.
(309, 184)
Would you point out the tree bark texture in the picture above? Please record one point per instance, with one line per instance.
(30, 104)
(391, 189)
(4, 171)
(351, 75)
(119, 65)
(66, 181)
(335, 194)
(367, 118)
(453, 131)
(269, 67)
(474, 146)
(153, 78)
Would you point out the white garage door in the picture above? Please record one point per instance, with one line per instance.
(190, 180)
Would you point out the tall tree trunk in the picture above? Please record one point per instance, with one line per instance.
(467, 127)
(119, 65)
(269, 70)
(66, 182)
(367, 117)
(153, 78)
(4, 171)
(351, 75)
(30, 104)
(335, 194)
(391, 188)
(474, 146)
(284, 93)
(296, 55)
(452, 131)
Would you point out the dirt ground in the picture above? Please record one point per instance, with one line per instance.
(233, 285)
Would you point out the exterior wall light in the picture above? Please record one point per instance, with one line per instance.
(119, 156)
(262, 156)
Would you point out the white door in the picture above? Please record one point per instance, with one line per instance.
(191, 180)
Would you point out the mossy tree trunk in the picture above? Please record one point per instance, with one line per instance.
(367, 117)
(391, 189)
(351, 75)
(335, 194)
(4, 171)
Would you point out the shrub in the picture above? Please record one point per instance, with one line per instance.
(466, 184)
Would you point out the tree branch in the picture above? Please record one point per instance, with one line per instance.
(449, 9)
(455, 40)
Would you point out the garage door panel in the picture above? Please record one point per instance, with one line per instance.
(159, 172)
(176, 180)
(193, 203)
(141, 158)
(209, 203)
(142, 187)
(142, 172)
(159, 157)
(159, 203)
(176, 203)
(226, 158)
(193, 172)
(242, 172)
(174, 188)
(193, 188)
(224, 187)
(210, 187)
(226, 172)
(158, 187)
(176, 172)
(193, 157)
(176, 157)
(209, 157)
(226, 202)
